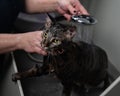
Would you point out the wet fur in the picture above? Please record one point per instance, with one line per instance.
(75, 63)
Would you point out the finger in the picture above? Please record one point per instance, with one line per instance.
(71, 9)
(40, 51)
(80, 8)
(67, 16)
(39, 48)
(61, 11)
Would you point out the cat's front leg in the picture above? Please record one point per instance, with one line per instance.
(34, 71)
(29, 73)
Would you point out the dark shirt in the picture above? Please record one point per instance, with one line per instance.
(9, 10)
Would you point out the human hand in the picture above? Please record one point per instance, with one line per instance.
(70, 7)
(30, 42)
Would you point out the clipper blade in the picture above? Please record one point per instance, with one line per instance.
(84, 19)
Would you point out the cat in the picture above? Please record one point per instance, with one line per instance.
(74, 63)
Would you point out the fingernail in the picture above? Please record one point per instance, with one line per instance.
(75, 11)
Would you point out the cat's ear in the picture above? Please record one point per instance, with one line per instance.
(71, 32)
(48, 23)
(50, 20)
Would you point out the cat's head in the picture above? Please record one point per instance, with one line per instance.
(56, 34)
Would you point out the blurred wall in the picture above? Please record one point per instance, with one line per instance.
(107, 31)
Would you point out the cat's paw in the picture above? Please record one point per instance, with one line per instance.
(15, 77)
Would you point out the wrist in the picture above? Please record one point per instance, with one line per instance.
(18, 41)
(51, 5)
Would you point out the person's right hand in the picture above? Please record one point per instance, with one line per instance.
(70, 7)
(30, 42)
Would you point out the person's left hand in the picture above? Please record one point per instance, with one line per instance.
(70, 7)
(30, 42)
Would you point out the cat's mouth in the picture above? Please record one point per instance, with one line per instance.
(54, 51)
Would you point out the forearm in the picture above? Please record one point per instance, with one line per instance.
(8, 42)
(37, 6)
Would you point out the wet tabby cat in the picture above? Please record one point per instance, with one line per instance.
(76, 63)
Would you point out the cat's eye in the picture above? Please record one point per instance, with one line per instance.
(56, 41)
(45, 35)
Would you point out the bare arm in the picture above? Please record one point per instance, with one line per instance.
(38, 6)
(64, 7)
(30, 42)
(8, 42)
